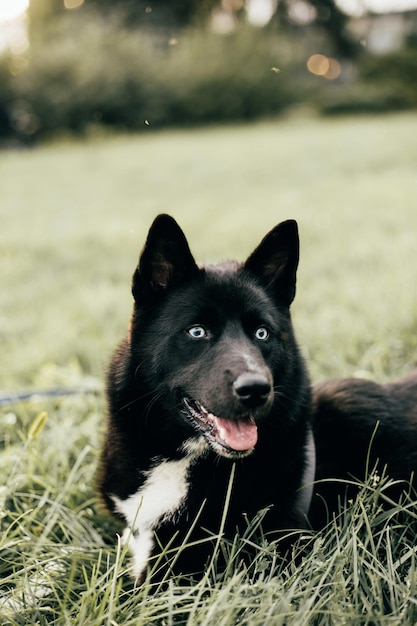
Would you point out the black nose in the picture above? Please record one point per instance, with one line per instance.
(252, 389)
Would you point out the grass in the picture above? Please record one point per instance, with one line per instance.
(74, 216)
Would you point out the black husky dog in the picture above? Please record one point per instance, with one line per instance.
(210, 406)
(208, 382)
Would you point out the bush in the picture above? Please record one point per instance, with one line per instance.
(96, 71)
(385, 83)
(88, 71)
(396, 71)
(362, 98)
(6, 96)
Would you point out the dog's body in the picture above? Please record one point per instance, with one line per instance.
(362, 427)
(209, 382)
(210, 407)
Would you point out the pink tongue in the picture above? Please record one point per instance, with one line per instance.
(237, 435)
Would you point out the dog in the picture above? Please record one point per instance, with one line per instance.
(208, 395)
(211, 414)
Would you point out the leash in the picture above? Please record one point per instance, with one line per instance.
(39, 394)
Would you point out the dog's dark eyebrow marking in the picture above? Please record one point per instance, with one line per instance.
(258, 315)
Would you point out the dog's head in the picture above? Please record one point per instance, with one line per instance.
(214, 342)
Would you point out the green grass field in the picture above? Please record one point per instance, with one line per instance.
(74, 215)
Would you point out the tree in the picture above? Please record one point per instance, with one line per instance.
(326, 14)
(177, 14)
(40, 12)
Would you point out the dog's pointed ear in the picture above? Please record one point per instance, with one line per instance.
(165, 260)
(275, 261)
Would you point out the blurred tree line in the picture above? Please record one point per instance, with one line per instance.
(132, 64)
(169, 14)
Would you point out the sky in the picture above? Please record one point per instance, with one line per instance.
(355, 6)
(10, 9)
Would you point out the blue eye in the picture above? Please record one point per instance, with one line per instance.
(262, 333)
(197, 332)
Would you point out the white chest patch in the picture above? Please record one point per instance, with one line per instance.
(158, 499)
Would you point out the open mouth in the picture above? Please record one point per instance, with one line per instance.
(229, 437)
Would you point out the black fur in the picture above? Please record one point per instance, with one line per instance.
(361, 426)
(217, 342)
(233, 372)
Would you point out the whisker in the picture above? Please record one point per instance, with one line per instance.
(137, 399)
(150, 404)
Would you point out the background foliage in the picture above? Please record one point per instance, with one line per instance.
(126, 65)
(97, 72)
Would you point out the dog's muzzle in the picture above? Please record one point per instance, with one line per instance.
(229, 437)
